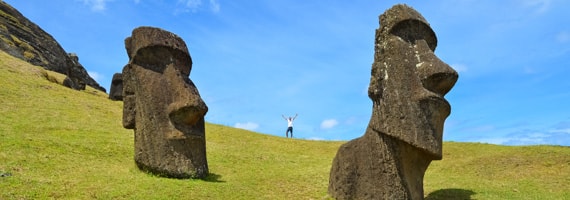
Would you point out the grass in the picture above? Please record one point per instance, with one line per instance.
(485, 171)
(56, 142)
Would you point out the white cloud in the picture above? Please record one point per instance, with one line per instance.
(215, 6)
(95, 75)
(329, 123)
(499, 140)
(316, 138)
(248, 126)
(191, 4)
(195, 5)
(532, 137)
(566, 131)
(540, 6)
(459, 67)
(96, 5)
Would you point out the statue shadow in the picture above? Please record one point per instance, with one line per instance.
(450, 193)
(214, 178)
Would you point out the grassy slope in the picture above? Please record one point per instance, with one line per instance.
(61, 143)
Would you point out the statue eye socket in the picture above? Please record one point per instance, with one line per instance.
(157, 58)
(411, 30)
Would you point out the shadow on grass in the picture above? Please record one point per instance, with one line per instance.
(215, 178)
(451, 193)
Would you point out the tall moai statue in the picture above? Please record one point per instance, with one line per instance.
(407, 87)
(163, 106)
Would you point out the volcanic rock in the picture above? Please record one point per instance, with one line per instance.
(23, 39)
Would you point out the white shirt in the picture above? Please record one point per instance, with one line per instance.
(289, 122)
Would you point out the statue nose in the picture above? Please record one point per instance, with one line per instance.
(184, 113)
(441, 79)
(436, 76)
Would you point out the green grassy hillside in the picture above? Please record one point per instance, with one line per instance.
(60, 143)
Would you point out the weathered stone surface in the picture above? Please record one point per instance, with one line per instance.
(76, 72)
(116, 90)
(23, 39)
(407, 87)
(163, 106)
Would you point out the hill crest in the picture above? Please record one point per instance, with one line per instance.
(25, 40)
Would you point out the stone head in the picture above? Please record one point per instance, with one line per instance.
(159, 83)
(409, 81)
(116, 89)
(161, 103)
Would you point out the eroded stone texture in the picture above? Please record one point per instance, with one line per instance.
(407, 87)
(163, 106)
(116, 90)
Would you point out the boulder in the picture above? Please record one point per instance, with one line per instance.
(163, 105)
(73, 84)
(407, 87)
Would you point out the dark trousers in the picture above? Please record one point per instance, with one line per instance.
(289, 129)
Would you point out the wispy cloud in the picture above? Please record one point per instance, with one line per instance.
(95, 75)
(196, 5)
(459, 67)
(315, 138)
(248, 126)
(539, 6)
(96, 5)
(191, 5)
(329, 123)
(215, 6)
(532, 137)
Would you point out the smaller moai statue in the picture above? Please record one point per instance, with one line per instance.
(116, 90)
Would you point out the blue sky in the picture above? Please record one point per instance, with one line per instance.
(255, 60)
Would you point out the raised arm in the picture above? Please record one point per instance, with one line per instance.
(295, 116)
(284, 117)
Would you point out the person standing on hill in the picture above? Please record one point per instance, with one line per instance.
(289, 125)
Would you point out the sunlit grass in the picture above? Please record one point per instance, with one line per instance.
(57, 142)
(501, 172)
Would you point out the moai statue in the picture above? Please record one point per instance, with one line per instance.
(163, 106)
(407, 87)
(116, 91)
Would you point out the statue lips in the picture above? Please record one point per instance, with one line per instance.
(439, 103)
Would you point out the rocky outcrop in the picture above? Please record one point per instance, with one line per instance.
(407, 87)
(163, 106)
(23, 39)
